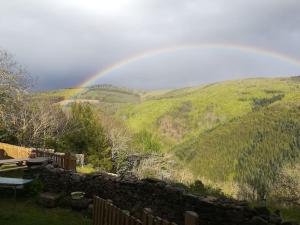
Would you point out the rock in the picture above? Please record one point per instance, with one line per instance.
(65, 202)
(49, 200)
(49, 167)
(80, 204)
(262, 211)
(76, 177)
(275, 219)
(256, 221)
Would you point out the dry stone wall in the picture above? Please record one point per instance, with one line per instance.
(165, 200)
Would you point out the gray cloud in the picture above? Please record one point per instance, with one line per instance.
(63, 42)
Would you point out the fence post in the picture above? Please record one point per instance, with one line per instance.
(95, 211)
(73, 163)
(191, 218)
(146, 213)
(67, 158)
(158, 220)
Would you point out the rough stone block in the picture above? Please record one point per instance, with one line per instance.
(49, 200)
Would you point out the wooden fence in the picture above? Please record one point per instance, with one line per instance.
(14, 151)
(66, 161)
(105, 213)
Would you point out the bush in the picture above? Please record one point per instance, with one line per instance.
(262, 102)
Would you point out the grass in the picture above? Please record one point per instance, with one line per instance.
(290, 213)
(86, 169)
(27, 212)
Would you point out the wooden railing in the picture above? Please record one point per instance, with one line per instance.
(106, 213)
(66, 161)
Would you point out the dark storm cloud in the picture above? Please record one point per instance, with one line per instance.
(63, 42)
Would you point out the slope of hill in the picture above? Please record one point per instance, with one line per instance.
(109, 98)
(242, 131)
(183, 114)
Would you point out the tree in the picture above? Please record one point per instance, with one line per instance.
(25, 119)
(85, 134)
(119, 139)
(14, 82)
(39, 122)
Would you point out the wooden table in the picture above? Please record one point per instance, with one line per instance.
(37, 161)
(18, 162)
(28, 161)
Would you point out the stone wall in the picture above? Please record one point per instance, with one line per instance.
(165, 200)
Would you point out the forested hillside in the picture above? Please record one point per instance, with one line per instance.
(243, 133)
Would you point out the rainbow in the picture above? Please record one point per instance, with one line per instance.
(159, 51)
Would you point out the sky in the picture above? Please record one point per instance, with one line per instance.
(63, 43)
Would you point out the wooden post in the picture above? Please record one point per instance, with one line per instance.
(191, 218)
(73, 163)
(138, 222)
(146, 213)
(67, 161)
(96, 210)
(109, 211)
(158, 221)
(150, 219)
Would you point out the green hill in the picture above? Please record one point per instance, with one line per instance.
(243, 131)
(107, 97)
(180, 115)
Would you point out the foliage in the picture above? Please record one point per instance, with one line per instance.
(34, 188)
(198, 188)
(145, 141)
(250, 150)
(119, 139)
(262, 102)
(290, 213)
(34, 122)
(85, 134)
(13, 85)
(86, 169)
(287, 188)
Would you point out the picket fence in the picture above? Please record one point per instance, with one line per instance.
(106, 213)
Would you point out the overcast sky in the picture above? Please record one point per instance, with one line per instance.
(64, 42)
